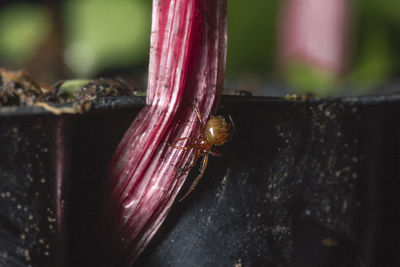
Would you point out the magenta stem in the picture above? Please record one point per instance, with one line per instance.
(187, 65)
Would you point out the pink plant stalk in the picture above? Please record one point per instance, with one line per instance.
(187, 64)
(314, 32)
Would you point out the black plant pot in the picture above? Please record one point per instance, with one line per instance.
(303, 183)
(33, 165)
(50, 168)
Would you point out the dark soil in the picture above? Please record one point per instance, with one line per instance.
(18, 89)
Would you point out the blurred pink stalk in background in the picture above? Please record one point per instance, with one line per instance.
(187, 65)
(314, 32)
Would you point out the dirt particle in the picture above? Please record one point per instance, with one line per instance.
(238, 263)
(344, 207)
(329, 242)
(27, 255)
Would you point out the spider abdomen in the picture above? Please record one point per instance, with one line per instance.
(216, 130)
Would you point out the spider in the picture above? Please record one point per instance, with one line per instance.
(215, 132)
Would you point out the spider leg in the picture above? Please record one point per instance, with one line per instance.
(215, 153)
(233, 124)
(196, 181)
(199, 117)
(185, 138)
(196, 157)
(182, 147)
(233, 129)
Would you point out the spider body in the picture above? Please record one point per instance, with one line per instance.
(214, 132)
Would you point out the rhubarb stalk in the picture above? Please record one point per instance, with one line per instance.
(187, 64)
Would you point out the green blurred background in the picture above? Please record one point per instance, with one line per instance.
(67, 39)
